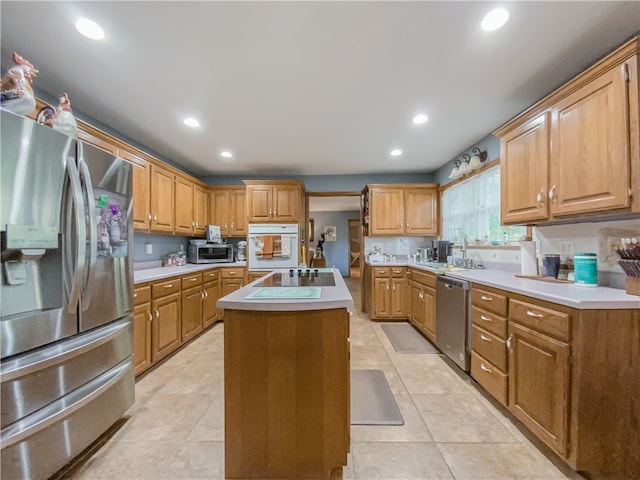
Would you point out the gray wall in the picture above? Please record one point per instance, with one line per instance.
(161, 244)
(336, 253)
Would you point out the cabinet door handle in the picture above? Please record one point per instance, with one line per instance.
(488, 299)
(150, 317)
(193, 279)
(169, 286)
(155, 217)
(485, 338)
(540, 197)
(231, 225)
(485, 318)
(271, 211)
(206, 294)
(509, 341)
(225, 224)
(551, 194)
(534, 314)
(394, 287)
(387, 286)
(135, 294)
(197, 224)
(148, 216)
(157, 314)
(485, 368)
(202, 295)
(421, 295)
(275, 213)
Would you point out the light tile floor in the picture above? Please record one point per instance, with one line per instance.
(175, 430)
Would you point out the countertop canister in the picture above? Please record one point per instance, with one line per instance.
(586, 269)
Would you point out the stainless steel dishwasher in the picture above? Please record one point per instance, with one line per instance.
(453, 334)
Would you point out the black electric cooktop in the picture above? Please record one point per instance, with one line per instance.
(299, 278)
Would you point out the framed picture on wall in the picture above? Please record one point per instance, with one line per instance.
(311, 228)
(330, 233)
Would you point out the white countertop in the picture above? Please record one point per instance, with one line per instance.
(330, 297)
(151, 274)
(569, 294)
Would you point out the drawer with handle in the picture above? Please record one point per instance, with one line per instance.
(490, 377)
(489, 321)
(167, 287)
(210, 275)
(425, 278)
(542, 319)
(381, 272)
(192, 280)
(489, 346)
(491, 301)
(141, 295)
(232, 273)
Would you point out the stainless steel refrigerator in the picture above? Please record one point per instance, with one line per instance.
(66, 334)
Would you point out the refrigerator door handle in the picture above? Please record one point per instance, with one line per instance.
(93, 230)
(81, 232)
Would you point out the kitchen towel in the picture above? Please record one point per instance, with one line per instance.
(277, 245)
(286, 245)
(528, 262)
(267, 248)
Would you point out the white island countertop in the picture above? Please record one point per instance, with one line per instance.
(337, 296)
(569, 294)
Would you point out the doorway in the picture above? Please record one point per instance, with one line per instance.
(332, 212)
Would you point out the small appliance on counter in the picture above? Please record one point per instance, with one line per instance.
(437, 252)
(210, 253)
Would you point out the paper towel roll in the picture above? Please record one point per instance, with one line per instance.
(528, 262)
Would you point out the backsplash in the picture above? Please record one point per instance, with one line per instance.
(395, 245)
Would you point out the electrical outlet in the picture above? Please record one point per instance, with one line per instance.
(566, 247)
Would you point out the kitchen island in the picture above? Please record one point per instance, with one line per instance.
(286, 367)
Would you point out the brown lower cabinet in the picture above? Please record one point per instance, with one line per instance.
(211, 290)
(142, 319)
(389, 293)
(192, 306)
(167, 310)
(570, 376)
(231, 279)
(423, 302)
(171, 312)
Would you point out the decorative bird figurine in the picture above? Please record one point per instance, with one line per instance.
(63, 119)
(17, 94)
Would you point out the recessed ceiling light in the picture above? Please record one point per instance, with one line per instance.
(396, 152)
(90, 29)
(494, 19)
(191, 122)
(226, 154)
(420, 118)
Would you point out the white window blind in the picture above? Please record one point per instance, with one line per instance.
(471, 211)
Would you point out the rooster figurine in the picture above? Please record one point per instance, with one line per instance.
(60, 118)
(17, 94)
(63, 119)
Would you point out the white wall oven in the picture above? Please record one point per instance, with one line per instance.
(272, 246)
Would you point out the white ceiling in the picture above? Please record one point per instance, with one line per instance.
(305, 88)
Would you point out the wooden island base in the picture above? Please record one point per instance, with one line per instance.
(287, 399)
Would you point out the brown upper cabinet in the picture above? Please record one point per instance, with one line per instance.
(576, 152)
(228, 209)
(401, 209)
(191, 216)
(274, 201)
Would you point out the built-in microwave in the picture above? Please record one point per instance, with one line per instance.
(210, 253)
